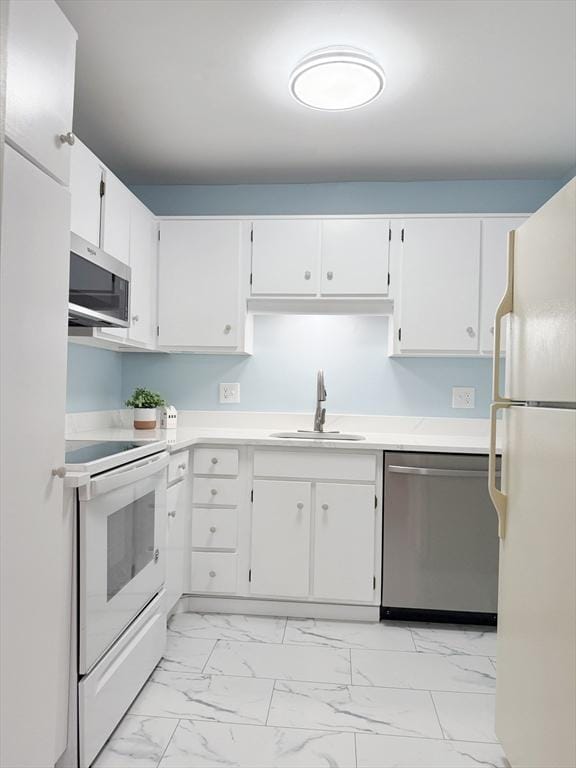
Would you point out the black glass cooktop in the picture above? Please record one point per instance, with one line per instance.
(98, 450)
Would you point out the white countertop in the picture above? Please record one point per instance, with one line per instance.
(386, 433)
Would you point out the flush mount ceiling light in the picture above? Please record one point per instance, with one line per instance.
(337, 79)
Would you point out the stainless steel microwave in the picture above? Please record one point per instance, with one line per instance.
(99, 289)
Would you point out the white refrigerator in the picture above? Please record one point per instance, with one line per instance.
(536, 505)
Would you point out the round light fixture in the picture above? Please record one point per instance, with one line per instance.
(337, 79)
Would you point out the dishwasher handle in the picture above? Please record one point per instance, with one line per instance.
(431, 472)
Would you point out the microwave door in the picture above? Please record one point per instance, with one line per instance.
(99, 288)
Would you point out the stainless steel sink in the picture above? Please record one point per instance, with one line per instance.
(309, 434)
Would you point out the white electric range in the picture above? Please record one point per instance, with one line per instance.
(120, 616)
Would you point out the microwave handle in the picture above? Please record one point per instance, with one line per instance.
(132, 473)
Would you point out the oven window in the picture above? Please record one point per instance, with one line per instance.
(130, 542)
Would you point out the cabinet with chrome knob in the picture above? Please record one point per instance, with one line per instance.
(202, 301)
(177, 496)
(214, 528)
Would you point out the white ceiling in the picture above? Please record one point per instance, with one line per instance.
(195, 91)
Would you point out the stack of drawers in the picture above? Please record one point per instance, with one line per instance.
(216, 495)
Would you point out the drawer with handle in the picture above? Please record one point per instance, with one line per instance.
(178, 466)
(216, 492)
(215, 461)
(214, 528)
(213, 572)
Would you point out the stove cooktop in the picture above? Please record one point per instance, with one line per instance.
(98, 455)
(97, 450)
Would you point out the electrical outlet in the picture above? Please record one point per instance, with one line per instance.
(230, 393)
(463, 397)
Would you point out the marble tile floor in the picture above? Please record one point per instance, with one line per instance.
(260, 692)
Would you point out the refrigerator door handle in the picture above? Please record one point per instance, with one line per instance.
(505, 307)
(499, 499)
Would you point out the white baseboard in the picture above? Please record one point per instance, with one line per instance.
(239, 605)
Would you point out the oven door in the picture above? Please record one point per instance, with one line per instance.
(122, 564)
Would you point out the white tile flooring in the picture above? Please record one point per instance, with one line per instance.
(263, 691)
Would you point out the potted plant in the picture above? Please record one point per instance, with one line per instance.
(145, 403)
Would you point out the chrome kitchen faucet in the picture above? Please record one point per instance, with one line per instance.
(320, 412)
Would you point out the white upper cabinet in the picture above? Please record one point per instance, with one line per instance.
(439, 297)
(41, 50)
(355, 254)
(203, 277)
(143, 263)
(344, 542)
(285, 257)
(116, 205)
(86, 174)
(320, 257)
(493, 274)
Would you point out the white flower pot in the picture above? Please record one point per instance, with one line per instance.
(144, 418)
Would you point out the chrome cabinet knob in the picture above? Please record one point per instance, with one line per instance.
(329, 275)
(492, 330)
(213, 491)
(212, 574)
(135, 318)
(227, 328)
(300, 505)
(212, 529)
(214, 460)
(307, 275)
(324, 507)
(182, 466)
(470, 331)
(67, 138)
(172, 514)
(59, 472)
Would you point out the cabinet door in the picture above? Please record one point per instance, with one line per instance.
(493, 274)
(175, 543)
(355, 257)
(41, 52)
(344, 542)
(35, 548)
(280, 559)
(440, 285)
(116, 218)
(115, 237)
(199, 273)
(143, 262)
(85, 179)
(285, 258)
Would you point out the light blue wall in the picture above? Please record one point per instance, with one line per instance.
(94, 379)
(349, 197)
(281, 374)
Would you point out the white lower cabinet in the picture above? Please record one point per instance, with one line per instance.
(175, 543)
(344, 542)
(214, 528)
(280, 557)
(300, 525)
(213, 572)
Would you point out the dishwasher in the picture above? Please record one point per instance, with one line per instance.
(440, 539)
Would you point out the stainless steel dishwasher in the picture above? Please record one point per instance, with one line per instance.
(440, 553)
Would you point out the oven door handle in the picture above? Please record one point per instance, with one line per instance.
(132, 473)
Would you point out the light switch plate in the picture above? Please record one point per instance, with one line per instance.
(463, 397)
(230, 393)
